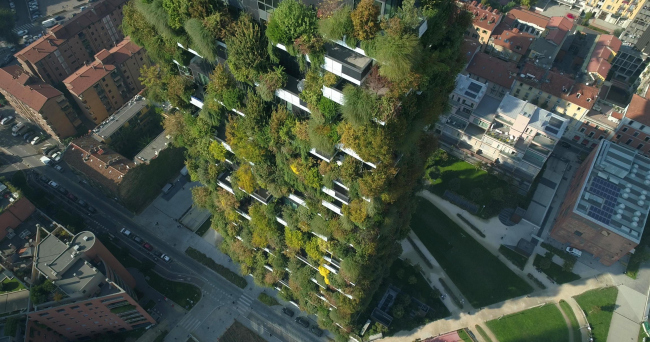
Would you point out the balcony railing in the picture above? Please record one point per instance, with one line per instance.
(336, 208)
(502, 137)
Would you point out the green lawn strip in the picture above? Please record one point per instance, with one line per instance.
(204, 227)
(568, 311)
(599, 305)
(541, 324)
(555, 271)
(161, 336)
(183, 294)
(464, 336)
(514, 257)
(150, 304)
(481, 277)
(642, 334)
(483, 333)
(268, 300)
(11, 285)
(222, 270)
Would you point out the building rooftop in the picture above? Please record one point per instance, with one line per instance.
(152, 150)
(638, 110)
(469, 48)
(602, 119)
(40, 48)
(606, 45)
(582, 95)
(484, 16)
(487, 108)
(599, 66)
(614, 196)
(511, 106)
(546, 52)
(469, 88)
(558, 28)
(32, 92)
(525, 16)
(493, 69)
(96, 12)
(65, 265)
(84, 78)
(109, 126)
(119, 53)
(512, 39)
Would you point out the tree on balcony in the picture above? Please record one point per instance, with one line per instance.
(202, 40)
(270, 82)
(337, 24)
(365, 19)
(291, 20)
(247, 52)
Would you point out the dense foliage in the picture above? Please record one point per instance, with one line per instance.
(265, 155)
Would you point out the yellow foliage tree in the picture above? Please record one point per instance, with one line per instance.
(245, 179)
(324, 272)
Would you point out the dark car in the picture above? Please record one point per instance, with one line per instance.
(44, 179)
(82, 203)
(157, 254)
(137, 239)
(59, 17)
(91, 209)
(62, 190)
(147, 246)
(287, 312)
(302, 321)
(314, 330)
(565, 144)
(72, 197)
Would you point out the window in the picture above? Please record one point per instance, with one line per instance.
(629, 141)
(618, 137)
(624, 129)
(642, 127)
(591, 134)
(601, 137)
(646, 139)
(582, 130)
(639, 147)
(636, 134)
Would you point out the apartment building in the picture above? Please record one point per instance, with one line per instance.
(106, 84)
(497, 74)
(94, 292)
(614, 11)
(629, 63)
(66, 48)
(556, 92)
(635, 32)
(594, 127)
(509, 43)
(606, 207)
(545, 47)
(634, 129)
(484, 23)
(516, 136)
(527, 21)
(38, 102)
(605, 50)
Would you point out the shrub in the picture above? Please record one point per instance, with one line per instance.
(398, 55)
(268, 300)
(202, 40)
(222, 270)
(289, 21)
(365, 19)
(337, 25)
(270, 82)
(472, 226)
(232, 98)
(247, 52)
(360, 106)
(329, 109)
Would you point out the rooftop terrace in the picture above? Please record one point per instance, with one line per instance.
(119, 118)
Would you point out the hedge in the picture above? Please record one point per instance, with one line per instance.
(222, 270)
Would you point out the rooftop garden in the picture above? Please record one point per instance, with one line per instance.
(322, 258)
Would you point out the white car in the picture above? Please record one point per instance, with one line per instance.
(12, 5)
(125, 232)
(36, 140)
(7, 120)
(58, 168)
(166, 258)
(53, 184)
(56, 156)
(574, 252)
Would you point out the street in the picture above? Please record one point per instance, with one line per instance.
(111, 217)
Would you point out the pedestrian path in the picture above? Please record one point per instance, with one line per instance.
(567, 321)
(24, 27)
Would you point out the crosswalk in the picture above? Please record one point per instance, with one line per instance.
(24, 27)
(244, 303)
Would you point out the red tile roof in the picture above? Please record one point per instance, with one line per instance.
(639, 110)
(557, 84)
(492, 69)
(34, 93)
(606, 45)
(522, 15)
(15, 214)
(87, 76)
(582, 95)
(484, 16)
(599, 66)
(558, 28)
(121, 52)
(617, 115)
(512, 39)
(40, 49)
(469, 47)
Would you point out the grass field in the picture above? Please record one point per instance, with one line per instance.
(204, 227)
(599, 305)
(575, 326)
(464, 336)
(483, 333)
(481, 277)
(541, 324)
(238, 333)
(11, 285)
(183, 294)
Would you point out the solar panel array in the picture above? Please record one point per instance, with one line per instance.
(474, 87)
(609, 192)
(470, 94)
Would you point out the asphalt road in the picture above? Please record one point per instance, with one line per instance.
(111, 218)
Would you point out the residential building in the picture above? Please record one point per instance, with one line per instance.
(485, 20)
(67, 47)
(106, 84)
(133, 113)
(515, 136)
(15, 214)
(38, 102)
(556, 92)
(605, 50)
(497, 74)
(527, 21)
(606, 207)
(635, 32)
(614, 11)
(509, 43)
(94, 292)
(634, 129)
(545, 47)
(594, 126)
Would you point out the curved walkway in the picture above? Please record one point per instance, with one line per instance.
(567, 321)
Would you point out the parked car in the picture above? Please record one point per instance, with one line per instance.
(21, 32)
(82, 8)
(63, 191)
(314, 330)
(574, 252)
(53, 152)
(72, 197)
(7, 120)
(82, 203)
(28, 135)
(47, 149)
(59, 18)
(53, 184)
(147, 246)
(125, 231)
(157, 254)
(17, 127)
(303, 321)
(287, 312)
(56, 156)
(58, 168)
(44, 179)
(137, 239)
(91, 209)
(166, 258)
(36, 140)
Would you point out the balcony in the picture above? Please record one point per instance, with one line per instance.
(220, 136)
(335, 206)
(456, 123)
(346, 63)
(298, 198)
(291, 93)
(223, 180)
(339, 192)
(335, 94)
(322, 155)
(262, 196)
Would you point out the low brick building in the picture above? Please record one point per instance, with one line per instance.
(607, 205)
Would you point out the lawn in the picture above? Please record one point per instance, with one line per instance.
(555, 271)
(11, 285)
(183, 294)
(266, 299)
(599, 305)
(204, 227)
(449, 173)
(514, 257)
(238, 333)
(464, 336)
(481, 277)
(221, 269)
(483, 333)
(568, 311)
(541, 324)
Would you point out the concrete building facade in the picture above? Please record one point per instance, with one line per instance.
(97, 291)
(634, 129)
(606, 206)
(38, 102)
